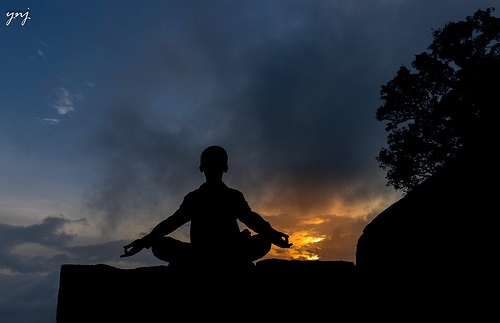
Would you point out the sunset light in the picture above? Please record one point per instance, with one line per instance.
(107, 106)
(304, 247)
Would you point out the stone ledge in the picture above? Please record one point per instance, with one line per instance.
(276, 289)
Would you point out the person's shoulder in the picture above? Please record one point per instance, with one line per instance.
(193, 193)
(234, 192)
(229, 188)
(208, 188)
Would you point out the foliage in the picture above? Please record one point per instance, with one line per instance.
(444, 105)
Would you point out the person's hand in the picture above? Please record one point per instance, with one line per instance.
(132, 248)
(281, 240)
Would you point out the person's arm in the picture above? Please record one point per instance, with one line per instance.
(162, 229)
(166, 227)
(257, 223)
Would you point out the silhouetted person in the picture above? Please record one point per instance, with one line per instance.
(213, 210)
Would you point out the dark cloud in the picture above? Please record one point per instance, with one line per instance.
(47, 234)
(30, 276)
(144, 162)
(42, 247)
(290, 92)
(48, 246)
(275, 87)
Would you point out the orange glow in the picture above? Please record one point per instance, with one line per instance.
(304, 242)
(313, 221)
(303, 247)
(322, 231)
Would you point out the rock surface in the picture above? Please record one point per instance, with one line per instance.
(430, 251)
(274, 290)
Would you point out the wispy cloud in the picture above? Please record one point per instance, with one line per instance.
(41, 53)
(65, 101)
(52, 121)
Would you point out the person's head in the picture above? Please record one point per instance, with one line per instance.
(213, 161)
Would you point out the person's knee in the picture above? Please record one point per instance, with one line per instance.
(155, 250)
(171, 250)
(259, 246)
(158, 251)
(160, 248)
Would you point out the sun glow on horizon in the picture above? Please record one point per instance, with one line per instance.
(304, 245)
(322, 231)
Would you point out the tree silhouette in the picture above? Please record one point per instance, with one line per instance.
(443, 108)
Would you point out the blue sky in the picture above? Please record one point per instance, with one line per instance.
(105, 107)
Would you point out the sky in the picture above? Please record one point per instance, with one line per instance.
(105, 107)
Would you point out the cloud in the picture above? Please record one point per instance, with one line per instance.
(48, 234)
(65, 101)
(52, 121)
(325, 236)
(147, 159)
(41, 248)
(291, 94)
(41, 53)
(276, 91)
(30, 260)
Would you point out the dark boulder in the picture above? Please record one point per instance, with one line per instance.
(431, 251)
